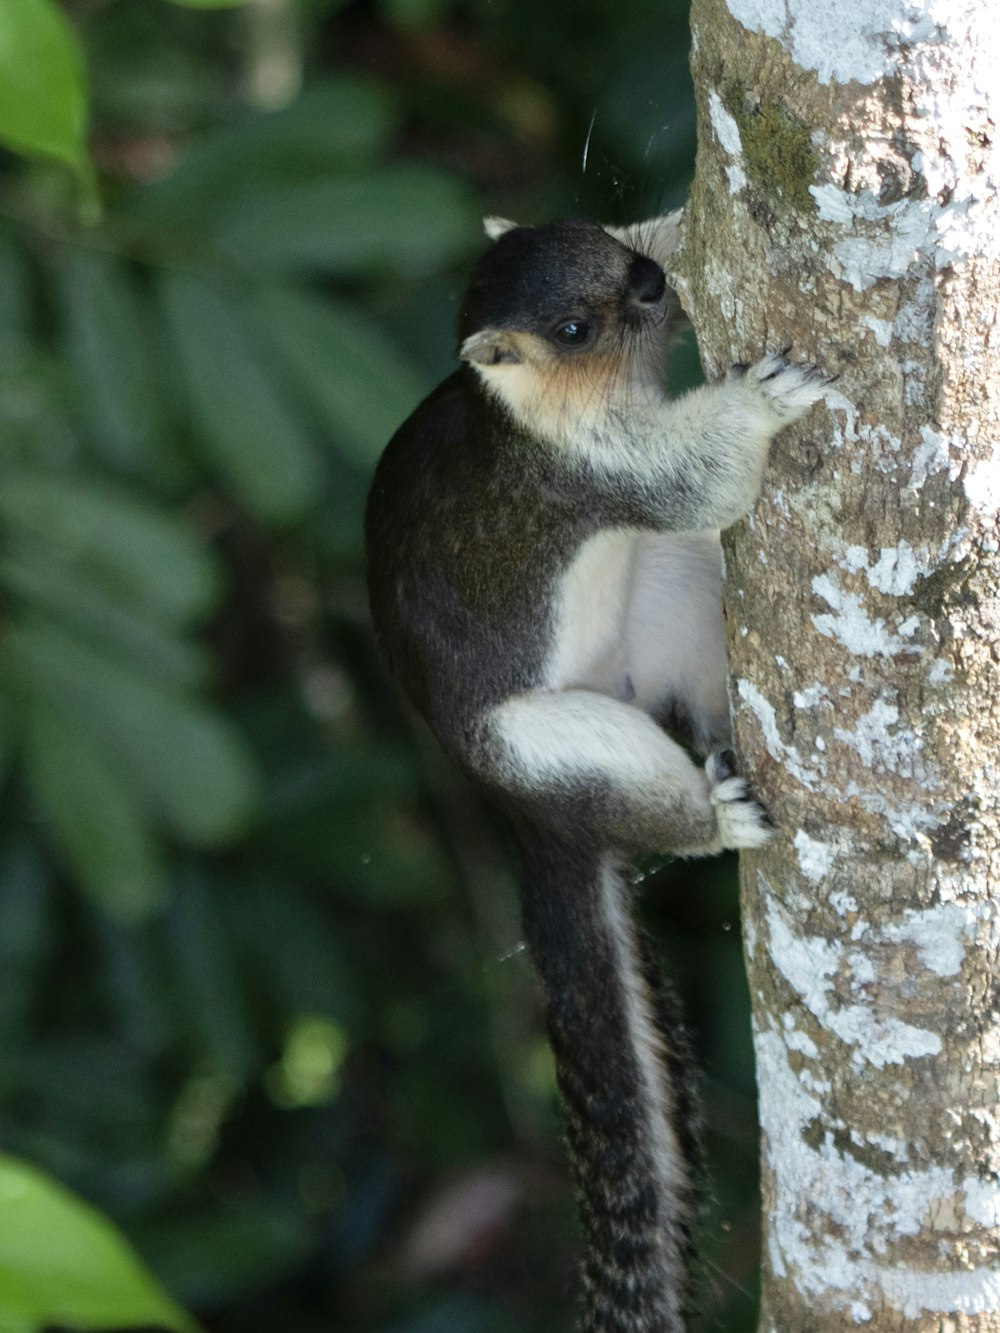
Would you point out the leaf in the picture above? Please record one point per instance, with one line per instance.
(239, 411)
(71, 596)
(342, 121)
(105, 333)
(93, 817)
(361, 384)
(43, 98)
(62, 1262)
(408, 218)
(209, 4)
(188, 765)
(137, 552)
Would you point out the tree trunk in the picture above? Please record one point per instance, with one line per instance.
(846, 203)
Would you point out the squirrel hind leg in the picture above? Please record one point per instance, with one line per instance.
(589, 766)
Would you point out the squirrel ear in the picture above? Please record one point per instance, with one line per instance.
(490, 347)
(495, 227)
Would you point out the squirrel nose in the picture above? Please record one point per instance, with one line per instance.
(646, 280)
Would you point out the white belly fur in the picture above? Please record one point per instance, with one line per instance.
(639, 618)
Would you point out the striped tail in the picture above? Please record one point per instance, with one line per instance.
(620, 1063)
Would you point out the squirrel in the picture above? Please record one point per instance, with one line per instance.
(545, 583)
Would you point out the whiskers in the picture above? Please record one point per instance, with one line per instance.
(586, 143)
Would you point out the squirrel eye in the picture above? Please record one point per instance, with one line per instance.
(573, 333)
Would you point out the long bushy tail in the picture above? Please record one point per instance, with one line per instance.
(620, 1065)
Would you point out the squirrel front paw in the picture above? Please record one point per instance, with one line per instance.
(789, 390)
(743, 821)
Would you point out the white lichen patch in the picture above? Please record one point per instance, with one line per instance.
(900, 234)
(982, 484)
(887, 1143)
(909, 821)
(933, 454)
(896, 570)
(815, 858)
(847, 1259)
(842, 903)
(982, 1200)
(881, 449)
(938, 934)
(882, 329)
(809, 775)
(896, 751)
(914, 382)
(855, 39)
(810, 964)
(811, 697)
(885, 746)
(913, 1291)
(796, 1040)
(885, 238)
(849, 622)
(728, 133)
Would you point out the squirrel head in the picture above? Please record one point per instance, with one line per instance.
(564, 313)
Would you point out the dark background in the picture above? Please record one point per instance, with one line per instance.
(263, 1002)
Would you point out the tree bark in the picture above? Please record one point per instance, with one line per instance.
(847, 202)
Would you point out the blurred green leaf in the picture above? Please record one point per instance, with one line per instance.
(209, 4)
(188, 765)
(106, 336)
(30, 573)
(93, 817)
(361, 385)
(340, 122)
(138, 553)
(406, 217)
(14, 1324)
(62, 1262)
(240, 413)
(43, 99)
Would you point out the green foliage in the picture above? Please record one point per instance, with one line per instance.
(259, 1002)
(43, 99)
(60, 1260)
